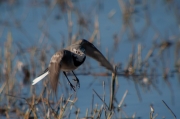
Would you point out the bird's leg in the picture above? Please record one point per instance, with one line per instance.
(78, 83)
(72, 86)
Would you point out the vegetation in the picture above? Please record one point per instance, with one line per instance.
(27, 41)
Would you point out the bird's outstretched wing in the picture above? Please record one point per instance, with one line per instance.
(93, 52)
(54, 69)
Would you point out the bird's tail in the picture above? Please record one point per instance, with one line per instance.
(40, 77)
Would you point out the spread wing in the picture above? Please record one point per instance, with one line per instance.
(54, 69)
(93, 52)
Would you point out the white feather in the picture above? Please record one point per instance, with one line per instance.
(36, 80)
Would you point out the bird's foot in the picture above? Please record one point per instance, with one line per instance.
(77, 82)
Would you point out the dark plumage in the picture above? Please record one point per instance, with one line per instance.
(69, 59)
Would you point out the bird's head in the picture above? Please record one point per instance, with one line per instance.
(78, 51)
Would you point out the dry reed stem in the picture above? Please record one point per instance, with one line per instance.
(100, 112)
(92, 104)
(169, 109)
(127, 8)
(122, 100)
(60, 116)
(107, 108)
(86, 114)
(151, 112)
(113, 79)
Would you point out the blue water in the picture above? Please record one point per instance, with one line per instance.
(34, 16)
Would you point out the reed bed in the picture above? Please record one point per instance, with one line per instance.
(20, 64)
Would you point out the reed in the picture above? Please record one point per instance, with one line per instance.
(24, 54)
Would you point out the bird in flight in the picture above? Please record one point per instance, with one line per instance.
(70, 58)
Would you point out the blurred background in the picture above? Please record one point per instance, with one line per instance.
(140, 37)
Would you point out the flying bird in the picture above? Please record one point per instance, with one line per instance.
(69, 59)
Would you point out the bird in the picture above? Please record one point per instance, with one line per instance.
(69, 59)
